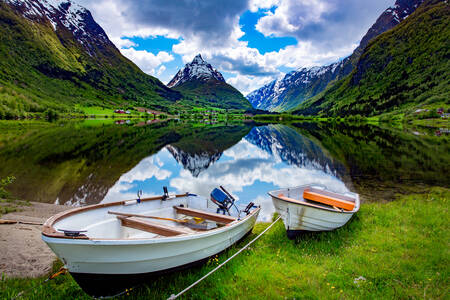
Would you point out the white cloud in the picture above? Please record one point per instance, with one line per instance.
(292, 15)
(328, 24)
(147, 168)
(244, 149)
(161, 69)
(326, 30)
(123, 43)
(114, 17)
(255, 5)
(145, 60)
(247, 84)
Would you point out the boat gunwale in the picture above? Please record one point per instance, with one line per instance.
(50, 234)
(49, 231)
(298, 202)
(145, 241)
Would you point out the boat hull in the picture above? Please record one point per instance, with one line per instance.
(101, 285)
(106, 255)
(145, 256)
(298, 217)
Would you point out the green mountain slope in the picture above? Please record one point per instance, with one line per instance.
(213, 93)
(203, 85)
(400, 70)
(42, 67)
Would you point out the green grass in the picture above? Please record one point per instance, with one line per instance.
(95, 110)
(12, 205)
(6, 209)
(104, 111)
(212, 93)
(400, 248)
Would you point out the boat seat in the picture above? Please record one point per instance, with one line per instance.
(222, 219)
(328, 200)
(153, 227)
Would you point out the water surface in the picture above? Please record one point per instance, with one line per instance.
(79, 163)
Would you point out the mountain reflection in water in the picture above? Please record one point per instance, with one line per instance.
(79, 163)
(267, 158)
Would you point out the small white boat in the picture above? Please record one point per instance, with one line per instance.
(313, 207)
(110, 246)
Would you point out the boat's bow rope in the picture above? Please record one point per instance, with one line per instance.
(172, 297)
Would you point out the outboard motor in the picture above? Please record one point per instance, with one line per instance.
(222, 199)
(166, 193)
(249, 206)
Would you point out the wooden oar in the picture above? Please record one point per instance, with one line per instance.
(145, 216)
(8, 222)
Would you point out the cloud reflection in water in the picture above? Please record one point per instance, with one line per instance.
(246, 170)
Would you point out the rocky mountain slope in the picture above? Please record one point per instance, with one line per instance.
(402, 69)
(54, 55)
(195, 162)
(198, 69)
(287, 145)
(297, 86)
(284, 94)
(197, 150)
(205, 86)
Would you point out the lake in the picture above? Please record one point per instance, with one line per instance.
(92, 161)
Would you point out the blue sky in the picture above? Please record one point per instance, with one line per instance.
(251, 42)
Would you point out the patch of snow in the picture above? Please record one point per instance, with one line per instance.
(335, 65)
(60, 12)
(197, 69)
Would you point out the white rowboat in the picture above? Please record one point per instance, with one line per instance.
(299, 214)
(107, 244)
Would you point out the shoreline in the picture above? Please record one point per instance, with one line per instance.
(24, 254)
(387, 250)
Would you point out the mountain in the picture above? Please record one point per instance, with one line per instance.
(197, 150)
(205, 86)
(284, 94)
(195, 162)
(400, 70)
(54, 55)
(297, 86)
(198, 69)
(286, 144)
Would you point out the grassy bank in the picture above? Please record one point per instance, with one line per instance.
(389, 250)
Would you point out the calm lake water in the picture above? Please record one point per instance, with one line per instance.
(79, 163)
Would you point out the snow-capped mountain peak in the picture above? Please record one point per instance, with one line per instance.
(194, 162)
(198, 59)
(198, 69)
(64, 15)
(271, 96)
(402, 9)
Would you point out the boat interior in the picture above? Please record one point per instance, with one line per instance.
(319, 196)
(157, 218)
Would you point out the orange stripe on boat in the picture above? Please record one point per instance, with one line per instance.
(328, 200)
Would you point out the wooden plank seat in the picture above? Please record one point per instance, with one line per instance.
(153, 227)
(328, 200)
(222, 219)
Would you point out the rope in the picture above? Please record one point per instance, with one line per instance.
(61, 271)
(173, 297)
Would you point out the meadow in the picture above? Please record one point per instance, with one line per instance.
(395, 249)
